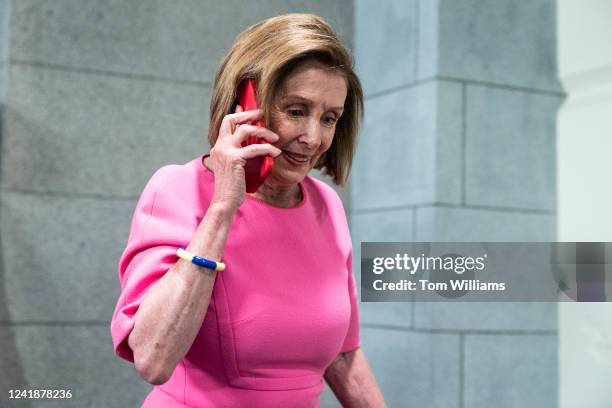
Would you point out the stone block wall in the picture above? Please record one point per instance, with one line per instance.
(96, 96)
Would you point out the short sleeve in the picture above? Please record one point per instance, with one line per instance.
(351, 342)
(156, 231)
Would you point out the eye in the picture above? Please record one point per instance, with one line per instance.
(295, 112)
(330, 120)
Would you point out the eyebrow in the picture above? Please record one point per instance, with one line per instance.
(309, 102)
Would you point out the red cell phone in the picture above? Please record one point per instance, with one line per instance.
(258, 168)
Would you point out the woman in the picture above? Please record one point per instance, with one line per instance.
(283, 314)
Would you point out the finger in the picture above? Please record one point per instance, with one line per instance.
(255, 150)
(229, 123)
(238, 109)
(244, 131)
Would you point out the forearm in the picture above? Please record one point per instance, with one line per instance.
(352, 381)
(174, 308)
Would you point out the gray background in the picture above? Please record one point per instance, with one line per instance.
(458, 145)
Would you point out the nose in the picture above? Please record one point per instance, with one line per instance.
(311, 136)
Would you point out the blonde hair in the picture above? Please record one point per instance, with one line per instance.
(267, 52)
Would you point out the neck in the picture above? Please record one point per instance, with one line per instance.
(279, 195)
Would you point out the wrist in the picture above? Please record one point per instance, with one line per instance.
(218, 216)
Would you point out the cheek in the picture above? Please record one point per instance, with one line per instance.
(326, 143)
(283, 128)
(286, 134)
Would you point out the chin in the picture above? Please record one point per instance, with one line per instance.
(288, 177)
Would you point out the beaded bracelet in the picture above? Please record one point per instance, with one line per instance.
(206, 263)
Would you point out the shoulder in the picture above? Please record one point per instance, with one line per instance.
(323, 195)
(161, 177)
(174, 184)
(320, 190)
(326, 200)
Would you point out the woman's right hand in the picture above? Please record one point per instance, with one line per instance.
(228, 157)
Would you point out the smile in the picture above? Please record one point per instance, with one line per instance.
(295, 158)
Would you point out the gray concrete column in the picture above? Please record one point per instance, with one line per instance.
(458, 145)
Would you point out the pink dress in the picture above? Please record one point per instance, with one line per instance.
(280, 313)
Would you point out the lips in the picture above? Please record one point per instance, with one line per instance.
(296, 157)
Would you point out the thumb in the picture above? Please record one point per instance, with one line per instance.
(238, 108)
